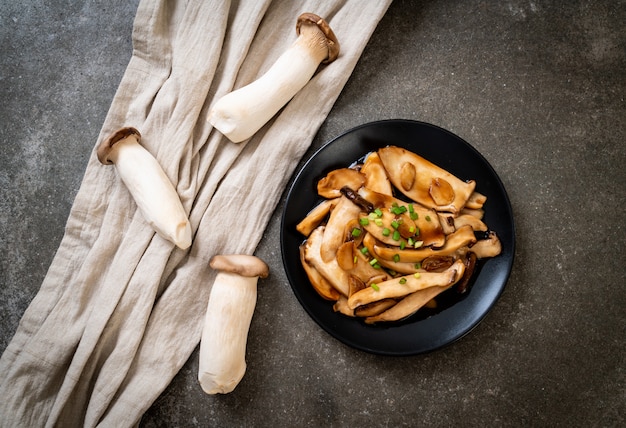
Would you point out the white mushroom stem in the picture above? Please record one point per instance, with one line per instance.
(148, 184)
(241, 113)
(227, 321)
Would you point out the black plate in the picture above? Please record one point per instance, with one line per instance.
(457, 313)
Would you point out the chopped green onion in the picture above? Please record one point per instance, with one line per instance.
(371, 216)
(395, 224)
(364, 250)
(396, 235)
(412, 229)
(355, 259)
(386, 231)
(356, 232)
(396, 258)
(418, 265)
(378, 222)
(411, 242)
(414, 216)
(378, 212)
(398, 210)
(417, 275)
(427, 218)
(411, 210)
(375, 287)
(364, 221)
(402, 280)
(373, 262)
(418, 244)
(402, 245)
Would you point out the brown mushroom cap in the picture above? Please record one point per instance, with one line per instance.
(331, 40)
(104, 149)
(240, 264)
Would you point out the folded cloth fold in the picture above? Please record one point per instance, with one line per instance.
(121, 309)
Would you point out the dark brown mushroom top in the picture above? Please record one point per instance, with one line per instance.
(241, 264)
(331, 40)
(104, 149)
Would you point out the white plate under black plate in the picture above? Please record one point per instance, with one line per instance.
(456, 313)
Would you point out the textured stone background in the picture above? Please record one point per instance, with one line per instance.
(536, 86)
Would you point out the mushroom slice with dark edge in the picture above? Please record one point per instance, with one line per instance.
(425, 182)
(241, 113)
(148, 184)
(330, 185)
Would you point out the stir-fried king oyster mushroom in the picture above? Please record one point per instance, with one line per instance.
(227, 321)
(152, 190)
(382, 258)
(241, 113)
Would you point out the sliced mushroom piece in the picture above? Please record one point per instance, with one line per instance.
(374, 308)
(330, 185)
(334, 232)
(466, 219)
(470, 266)
(476, 201)
(353, 261)
(413, 175)
(409, 305)
(437, 263)
(478, 213)
(341, 306)
(489, 247)
(462, 237)
(355, 284)
(315, 217)
(376, 178)
(421, 224)
(319, 283)
(405, 285)
(446, 220)
(330, 270)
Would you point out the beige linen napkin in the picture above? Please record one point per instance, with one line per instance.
(121, 309)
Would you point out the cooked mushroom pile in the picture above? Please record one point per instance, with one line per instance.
(392, 233)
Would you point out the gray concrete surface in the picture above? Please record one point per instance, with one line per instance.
(537, 87)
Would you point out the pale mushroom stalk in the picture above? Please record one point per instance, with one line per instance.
(227, 321)
(148, 184)
(241, 113)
